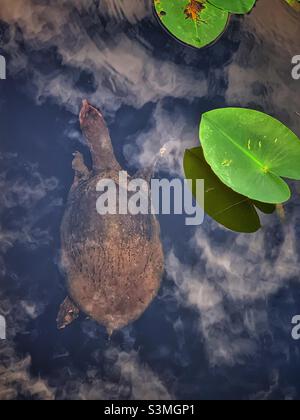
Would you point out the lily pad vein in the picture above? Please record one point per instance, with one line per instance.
(243, 150)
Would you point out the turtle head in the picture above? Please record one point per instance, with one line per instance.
(96, 133)
(91, 120)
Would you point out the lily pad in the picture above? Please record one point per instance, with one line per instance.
(239, 7)
(295, 4)
(197, 23)
(225, 206)
(251, 152)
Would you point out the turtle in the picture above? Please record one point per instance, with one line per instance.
(113, 264)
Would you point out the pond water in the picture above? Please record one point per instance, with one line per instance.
(220, 327)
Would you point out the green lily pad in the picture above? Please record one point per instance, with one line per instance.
(240, 7)
(225, 206)
(250, 152)
(194, 22)
(295, 4)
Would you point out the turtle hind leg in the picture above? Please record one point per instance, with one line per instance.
(68, 312)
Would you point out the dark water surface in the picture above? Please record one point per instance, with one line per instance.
(220, 327)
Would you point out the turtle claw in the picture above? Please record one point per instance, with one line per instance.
(68, 312)
(110, 332)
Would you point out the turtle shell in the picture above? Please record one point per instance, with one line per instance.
(113, 263)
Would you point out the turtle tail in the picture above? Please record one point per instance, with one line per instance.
(97, 135)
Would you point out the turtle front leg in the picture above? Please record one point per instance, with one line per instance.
(81, 171)
(68, 312)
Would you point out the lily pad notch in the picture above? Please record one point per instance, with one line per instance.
(228, 208)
